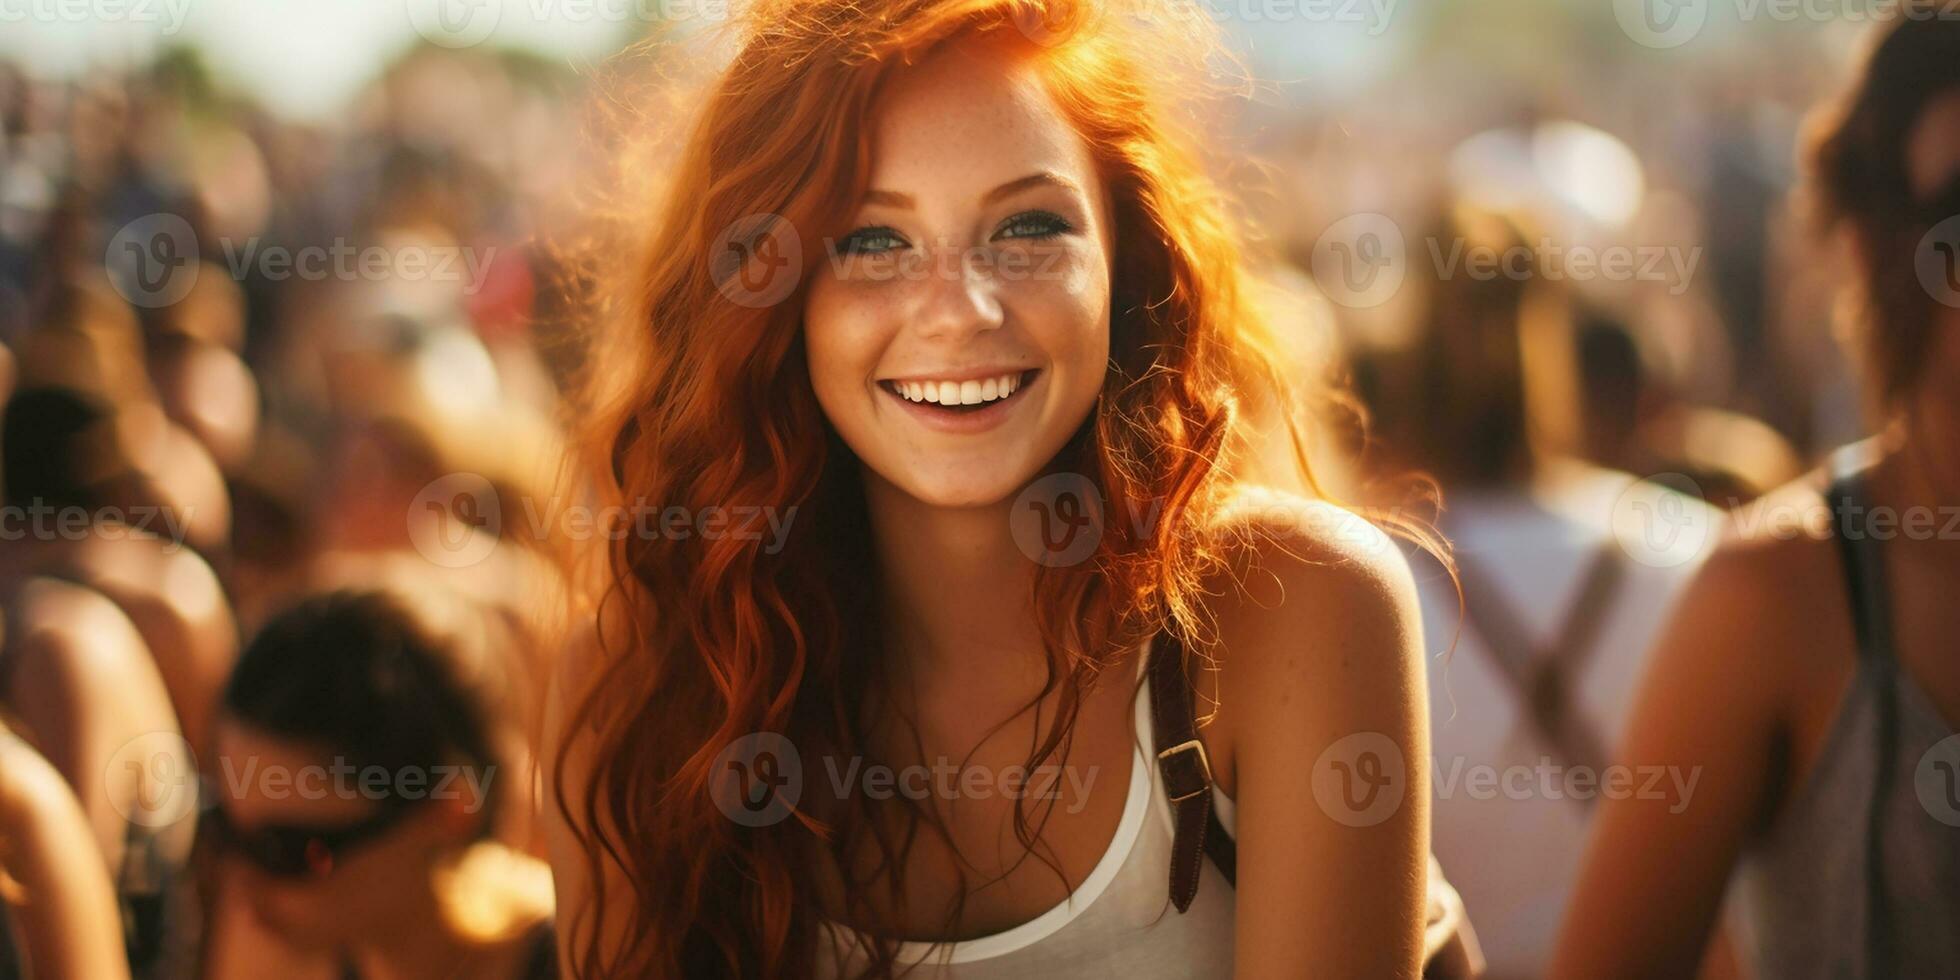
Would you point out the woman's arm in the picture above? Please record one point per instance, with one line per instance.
(65, 906)
(1322, 696)
(1707, 715)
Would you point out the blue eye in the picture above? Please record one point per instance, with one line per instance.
(870, 241)
(1035, 224)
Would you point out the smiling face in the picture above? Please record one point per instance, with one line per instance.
(958, 329)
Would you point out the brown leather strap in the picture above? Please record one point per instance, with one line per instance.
(1186, 773)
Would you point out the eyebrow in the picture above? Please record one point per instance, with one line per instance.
(1045, 178)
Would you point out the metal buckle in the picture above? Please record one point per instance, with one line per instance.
(1204, 767)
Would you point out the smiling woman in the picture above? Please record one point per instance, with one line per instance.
(930, 273)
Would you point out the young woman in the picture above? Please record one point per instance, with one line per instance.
(1808, 683)
(939, 290)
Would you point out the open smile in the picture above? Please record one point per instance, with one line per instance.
(967, 404)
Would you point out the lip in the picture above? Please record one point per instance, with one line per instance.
(990, 416)
(970, 374)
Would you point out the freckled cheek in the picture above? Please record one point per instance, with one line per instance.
(846, 330)
(1063, 303)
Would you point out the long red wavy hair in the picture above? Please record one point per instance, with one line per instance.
(697, 401)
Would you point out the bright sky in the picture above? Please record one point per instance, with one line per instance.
(306, 57)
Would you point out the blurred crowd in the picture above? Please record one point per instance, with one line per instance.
(281, 417)
(238, 355)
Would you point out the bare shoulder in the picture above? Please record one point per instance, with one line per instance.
(1319, 632)
(1312, 569)
(1765, 606)
(32, 794)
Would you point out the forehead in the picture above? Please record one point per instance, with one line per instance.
(973, 114)
(262, 778)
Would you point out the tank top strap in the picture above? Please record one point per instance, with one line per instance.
(1861, 556)
(1871, 619)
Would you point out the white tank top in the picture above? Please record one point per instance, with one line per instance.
(1118, 923)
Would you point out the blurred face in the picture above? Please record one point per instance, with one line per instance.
(268, 786)
(958, 331)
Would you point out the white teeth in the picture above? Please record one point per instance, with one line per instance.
(958, 392)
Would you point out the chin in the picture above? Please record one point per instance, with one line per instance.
(959, 489)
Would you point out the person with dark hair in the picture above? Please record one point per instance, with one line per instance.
(359, 771)
(1551, 610)
(1808, 679)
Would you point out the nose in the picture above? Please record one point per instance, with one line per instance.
(959, 297)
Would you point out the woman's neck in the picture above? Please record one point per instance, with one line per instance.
(1928, 467)
(957, 591)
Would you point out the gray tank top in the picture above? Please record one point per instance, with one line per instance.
(1860, 876)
